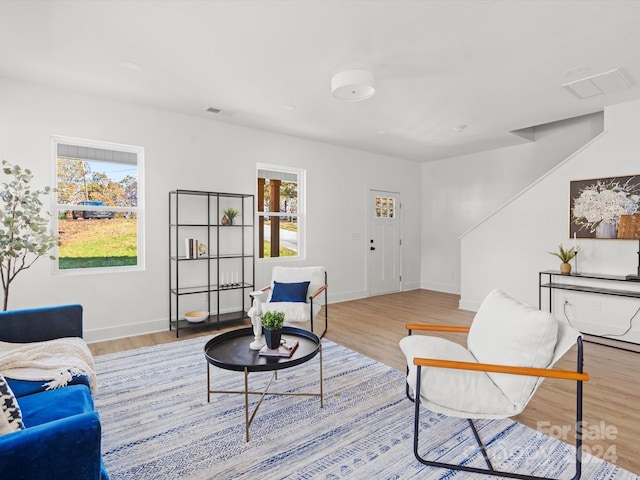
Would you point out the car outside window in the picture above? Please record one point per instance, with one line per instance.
(85, 214)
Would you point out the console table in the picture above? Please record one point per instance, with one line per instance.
(616, 285)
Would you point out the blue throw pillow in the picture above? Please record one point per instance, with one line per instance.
(289, 292)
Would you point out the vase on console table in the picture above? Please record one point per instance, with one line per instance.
(256, 320)
(606, 230)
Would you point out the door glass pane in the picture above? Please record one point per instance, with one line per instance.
(385, 207)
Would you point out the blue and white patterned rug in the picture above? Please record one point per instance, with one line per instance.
(157, 424)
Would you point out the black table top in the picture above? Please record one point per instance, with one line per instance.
(231, 350)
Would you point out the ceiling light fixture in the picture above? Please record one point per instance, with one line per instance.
(353, 85)
(572, 72)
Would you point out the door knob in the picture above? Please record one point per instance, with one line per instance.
(372, 248)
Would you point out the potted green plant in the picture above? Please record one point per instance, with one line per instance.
(272, 325)
(24, 232)
(565, 255)
(230, 213)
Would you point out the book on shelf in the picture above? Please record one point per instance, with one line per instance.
(191, 247)
(286, 349)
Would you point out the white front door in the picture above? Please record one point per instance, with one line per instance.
(383, 243)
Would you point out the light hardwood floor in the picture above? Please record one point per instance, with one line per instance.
(374, 326)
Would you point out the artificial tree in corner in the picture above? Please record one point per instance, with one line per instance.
(24, 232)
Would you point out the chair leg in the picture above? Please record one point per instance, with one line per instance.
(325, 318)
(326, 308)
(490, 470)
(326, 312)
(483, 449)
(407, 390)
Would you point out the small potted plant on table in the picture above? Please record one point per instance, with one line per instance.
(272, 325)
(565, 256)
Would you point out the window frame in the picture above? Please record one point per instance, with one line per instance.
(139, 210)
(300, 215)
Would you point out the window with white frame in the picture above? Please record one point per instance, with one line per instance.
(98, 206)
(280, 204)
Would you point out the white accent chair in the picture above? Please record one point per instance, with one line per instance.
(511, 348)
(300, 303)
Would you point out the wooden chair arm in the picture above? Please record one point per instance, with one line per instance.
(486, 367)
(437, 328)
(319, 291)
(262, 290)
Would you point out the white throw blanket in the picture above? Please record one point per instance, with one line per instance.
(53, 361)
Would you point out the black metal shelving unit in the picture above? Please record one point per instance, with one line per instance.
(194, 213)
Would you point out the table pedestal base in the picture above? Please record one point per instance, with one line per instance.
(246, 392)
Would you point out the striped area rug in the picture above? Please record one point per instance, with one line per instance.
(157, 424)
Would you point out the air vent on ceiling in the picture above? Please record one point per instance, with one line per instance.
(607, 82)
(213, 110)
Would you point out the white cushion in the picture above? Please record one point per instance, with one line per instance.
(458, 393)
(293, 311)
(507, 332)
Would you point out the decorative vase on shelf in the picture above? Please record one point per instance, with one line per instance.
(229, 214)
(565, 268)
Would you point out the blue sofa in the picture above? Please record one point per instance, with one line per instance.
(62, 434)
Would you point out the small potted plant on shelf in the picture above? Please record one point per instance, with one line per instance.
(272, 325)
(229, 215)
(565, 255)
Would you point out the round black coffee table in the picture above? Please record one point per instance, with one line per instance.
(230, 351)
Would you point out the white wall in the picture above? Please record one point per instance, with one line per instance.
(458, 193)
(195, 153)
(509, 248)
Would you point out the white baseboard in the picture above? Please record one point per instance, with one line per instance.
(472, 306)
(410, 286)
(346, 296)
(125, 331)
(441, 287)
(153, 326)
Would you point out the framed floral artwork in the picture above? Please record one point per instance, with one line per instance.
(596, 205)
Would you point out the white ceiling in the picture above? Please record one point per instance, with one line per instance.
(494, 66)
